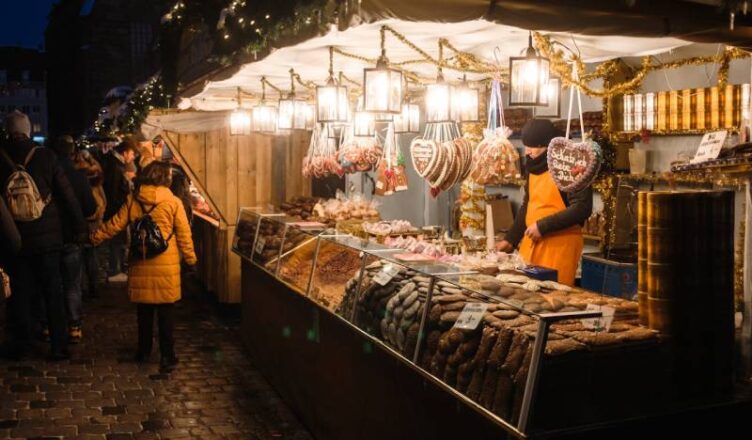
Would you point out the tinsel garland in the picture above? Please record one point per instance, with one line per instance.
(561, 66)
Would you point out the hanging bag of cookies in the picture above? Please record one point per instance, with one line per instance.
(574, 165)
(496, 161)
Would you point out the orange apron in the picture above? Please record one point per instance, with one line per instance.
(560, 250)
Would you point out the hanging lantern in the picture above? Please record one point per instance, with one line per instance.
(528, 78)
(409, 120)
(383, 91)
(332, 104)
(465, 103)
(364, 124)
(439, 101)
(240, 120)
(292, 111)
(264, 115)
(553, 95)
(310, 113)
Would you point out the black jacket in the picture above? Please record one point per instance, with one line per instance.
(44, 234)
(579, 206)
(116, 186)
(81, 188)
(10, 239)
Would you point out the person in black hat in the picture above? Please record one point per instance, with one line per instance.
(548, 226)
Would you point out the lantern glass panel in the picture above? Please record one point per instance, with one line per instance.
(292, 114)
(364, 124)
(409, 120)
(438, 102)
(383, 90)
(465, 104)
(240, 123)
(529, 77)
(332, 104)
(265, 118)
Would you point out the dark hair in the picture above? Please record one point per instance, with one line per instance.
(127, 144)
(156, 174)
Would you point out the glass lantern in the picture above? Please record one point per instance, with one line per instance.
(528, 78)
(465, 103)
(383, 88)
(409, 120)
(364, 124)
(439, 102)
(332, 104)
(264, 118)
(240, 120)
(292, 114)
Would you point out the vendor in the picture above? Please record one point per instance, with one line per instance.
(548, 227)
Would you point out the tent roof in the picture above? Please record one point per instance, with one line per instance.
(480, 37)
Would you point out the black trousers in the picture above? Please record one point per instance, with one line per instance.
(30, 276)
(166, 322)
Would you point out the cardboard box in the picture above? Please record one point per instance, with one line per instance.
(501, 212)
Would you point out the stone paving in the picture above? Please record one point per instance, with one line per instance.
(101, 394)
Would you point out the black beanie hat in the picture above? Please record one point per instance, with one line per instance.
(538, 133)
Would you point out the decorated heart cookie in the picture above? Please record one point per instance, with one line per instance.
(573, 165)
(423, 153)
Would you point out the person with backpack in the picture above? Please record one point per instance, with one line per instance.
(117, 188)
(37, 194)
(10, 244)
(160, 233)
(72, 264)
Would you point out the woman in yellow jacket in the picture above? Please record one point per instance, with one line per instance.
(154, 283)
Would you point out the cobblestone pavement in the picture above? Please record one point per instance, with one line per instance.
(101, 394)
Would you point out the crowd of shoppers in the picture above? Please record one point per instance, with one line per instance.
(57, 205)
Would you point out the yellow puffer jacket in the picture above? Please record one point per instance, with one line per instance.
(156, 280)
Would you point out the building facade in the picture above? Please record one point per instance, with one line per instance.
(23, 86)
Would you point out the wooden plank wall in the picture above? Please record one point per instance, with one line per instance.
(236, 172)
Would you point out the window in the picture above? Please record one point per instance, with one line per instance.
(3, 76)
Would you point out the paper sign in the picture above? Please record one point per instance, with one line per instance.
(599, 324)
(260, 243)
(710, 146)
(386, 274)
(471, 316)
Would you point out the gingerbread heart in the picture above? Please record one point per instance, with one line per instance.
(572, 165)
(423, 153)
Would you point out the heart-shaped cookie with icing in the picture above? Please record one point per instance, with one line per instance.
(572, 165)
(424, 154)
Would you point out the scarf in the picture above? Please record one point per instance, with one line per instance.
(536, 166)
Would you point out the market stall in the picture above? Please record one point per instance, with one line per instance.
(392, 297)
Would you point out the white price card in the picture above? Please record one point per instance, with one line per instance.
(471, 316)
(386, 274)
(260, 243)
(710, 146)
(599, 324)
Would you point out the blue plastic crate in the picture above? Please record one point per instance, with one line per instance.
(609, 277)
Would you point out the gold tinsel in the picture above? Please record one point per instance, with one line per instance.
(560, 64)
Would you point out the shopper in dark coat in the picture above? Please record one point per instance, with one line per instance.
(37, 267)
(117, 188)
(72, 263)
(10, 238)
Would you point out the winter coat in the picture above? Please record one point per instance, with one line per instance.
(116, 185)
(85, 162)
(80, 184)
(155, 280)
(44, 234)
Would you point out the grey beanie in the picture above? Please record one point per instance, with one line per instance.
(17, 123)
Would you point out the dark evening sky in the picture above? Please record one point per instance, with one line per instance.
(22, 22)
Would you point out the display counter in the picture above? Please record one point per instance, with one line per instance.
(339, 322)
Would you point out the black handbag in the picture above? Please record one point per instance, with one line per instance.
(146, 237)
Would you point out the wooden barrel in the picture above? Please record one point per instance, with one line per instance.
(642, 256)
(644, 308)
(660, 315)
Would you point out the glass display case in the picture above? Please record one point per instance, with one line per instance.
(502, 342)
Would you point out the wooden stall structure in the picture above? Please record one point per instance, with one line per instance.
(230, 172)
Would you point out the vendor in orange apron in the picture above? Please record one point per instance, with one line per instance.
(548, 226)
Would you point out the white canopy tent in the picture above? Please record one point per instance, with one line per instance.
(479, 37)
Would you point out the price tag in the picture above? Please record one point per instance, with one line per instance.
(260, 243)
(386, 274)
(471, 316)
(599, 324)
(710, 146)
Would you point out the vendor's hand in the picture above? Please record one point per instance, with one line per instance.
(533, 233)
(504, 246)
